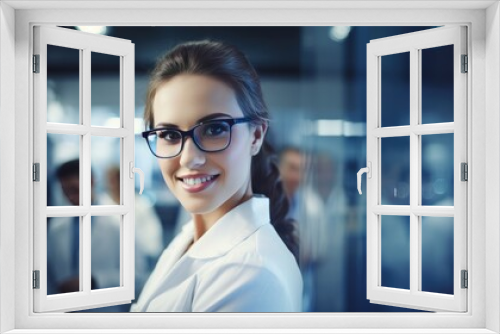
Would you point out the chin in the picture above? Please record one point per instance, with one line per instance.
(198, 205)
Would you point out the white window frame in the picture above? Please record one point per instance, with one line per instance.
(483, 21)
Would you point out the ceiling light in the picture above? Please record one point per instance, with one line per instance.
(338, 34)
(93, 29)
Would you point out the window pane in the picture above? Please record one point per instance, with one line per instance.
(395, 171)
(105, 170)
(63, 85)
(63, 255)
(395, 243)
(63, 169)
(437, 254)
(395, 90)
(437, 84)
(437, 169)
(105, 243)
(105, 90)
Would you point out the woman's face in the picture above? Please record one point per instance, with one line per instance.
(183, 102)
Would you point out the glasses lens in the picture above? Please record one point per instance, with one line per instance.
(213, 136)
(165, 143)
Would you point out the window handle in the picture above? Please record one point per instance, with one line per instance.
(368, 171)
(133, 170)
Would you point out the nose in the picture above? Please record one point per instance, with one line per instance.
(191, 156)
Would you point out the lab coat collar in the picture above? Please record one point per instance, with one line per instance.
(230, 229)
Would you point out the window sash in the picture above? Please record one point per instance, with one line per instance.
(413, 43)
(86, 43)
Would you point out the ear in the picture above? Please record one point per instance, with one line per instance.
(259, 133)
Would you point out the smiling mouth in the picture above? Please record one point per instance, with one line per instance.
(194, 181)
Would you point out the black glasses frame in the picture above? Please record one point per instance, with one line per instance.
(190, 133)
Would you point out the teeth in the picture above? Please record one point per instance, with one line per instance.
(196, 181)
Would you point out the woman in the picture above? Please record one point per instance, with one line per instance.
(208, 123)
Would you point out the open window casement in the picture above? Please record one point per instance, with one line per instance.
(403, 143)
(84, 297)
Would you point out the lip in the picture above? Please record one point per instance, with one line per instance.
(194, 176)
(198, 187)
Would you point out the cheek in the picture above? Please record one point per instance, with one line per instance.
(167, 170)
(237, 161)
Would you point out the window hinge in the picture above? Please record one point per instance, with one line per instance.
(465, 64)
(465, 279)
(465, 171)
(36, 63)
(36, 279)
(36, 172)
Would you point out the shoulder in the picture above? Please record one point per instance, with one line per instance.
(258, 275)
(264, 249)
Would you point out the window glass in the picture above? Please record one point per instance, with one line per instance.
(106, 181)
(395, 161)
(395, 245)
(437, 84)
(395, 94)
(63, 85)
(437, 170)
(63, 255)
(437, 254)
(105, 246)
(63, 170)
(105, 78)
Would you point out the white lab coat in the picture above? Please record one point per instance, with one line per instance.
(239, 265)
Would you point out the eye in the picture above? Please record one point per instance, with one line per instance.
(215, 129)
(169, 135)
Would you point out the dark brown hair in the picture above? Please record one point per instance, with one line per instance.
(229, 65)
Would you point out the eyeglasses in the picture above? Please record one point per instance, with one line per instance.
(208, 136)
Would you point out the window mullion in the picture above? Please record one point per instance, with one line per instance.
(414, 170)
(85, 166)
(419, 129)
(77, 129)
(67, 129)
(406, 210)
(96, 210)
(127, 113)
(434, 129)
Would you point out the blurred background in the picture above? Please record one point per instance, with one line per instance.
(314, 82)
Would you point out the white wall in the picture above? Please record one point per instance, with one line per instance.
(492, 163)
(7, 118)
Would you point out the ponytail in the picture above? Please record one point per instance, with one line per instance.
(266, 181)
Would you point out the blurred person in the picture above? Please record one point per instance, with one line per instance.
(291, 165)
(63, 238)
(208, 123)
(331, 272)
(148, 229)
(307, 209)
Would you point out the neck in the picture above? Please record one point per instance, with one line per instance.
(203, 222)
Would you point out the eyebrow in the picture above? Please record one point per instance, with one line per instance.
(203, 119)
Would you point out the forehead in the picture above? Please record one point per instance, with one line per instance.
(186, 98)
